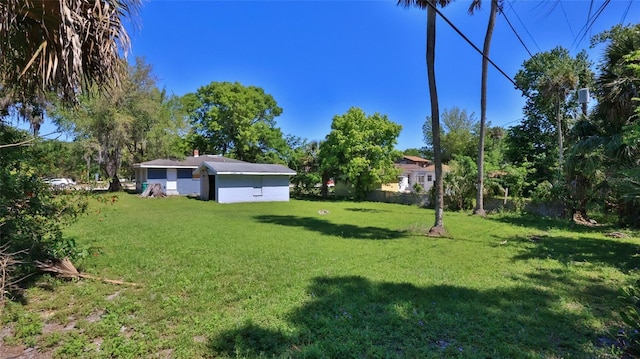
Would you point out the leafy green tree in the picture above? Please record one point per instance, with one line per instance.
(360, 149)
(56, 46)
(235, 120)
(118, 126)
(458, 134)
(608, 140)
(305, 160)
(515, 180)
(418, 152)
(549, 81)
(31, 215)
(58, 158)
(460, 183)
(430, 5)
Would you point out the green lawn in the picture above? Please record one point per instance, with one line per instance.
(281, 280)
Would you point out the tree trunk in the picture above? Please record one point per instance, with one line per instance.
(325, 185)
(483, 108)
(115, 185)
(438, 227)
(560, 146)
(111, 165)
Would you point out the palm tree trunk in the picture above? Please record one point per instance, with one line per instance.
(483, 107)
(438, 227)
(560, 145)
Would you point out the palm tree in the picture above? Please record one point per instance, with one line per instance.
(430, 5)
(59, 46)
(475, 5)
(556, 85)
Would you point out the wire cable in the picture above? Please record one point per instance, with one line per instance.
(590, 21)
(517, 35)
(524, 26)
(626, 12)
(566, 18)
(455, 28)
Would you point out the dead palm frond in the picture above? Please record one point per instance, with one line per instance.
(65, 269)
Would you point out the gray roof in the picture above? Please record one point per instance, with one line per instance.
(189, 162)
(245, 168)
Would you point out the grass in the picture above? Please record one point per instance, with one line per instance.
(266, 280)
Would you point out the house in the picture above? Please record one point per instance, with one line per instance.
(414, 170)
(175, 176)
(231, 182)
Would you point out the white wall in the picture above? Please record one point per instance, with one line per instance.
(245, 188)
(172, 182)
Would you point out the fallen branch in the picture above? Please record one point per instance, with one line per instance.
(64, 268)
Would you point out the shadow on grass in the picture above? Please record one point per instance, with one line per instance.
(366, 210)
(332, 229)
(545, 223)
(352, 317)
(596, 251)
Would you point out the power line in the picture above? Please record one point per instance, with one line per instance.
(590, 21)
(626, 12)
(523, 25)
(566, 19)
(454, 27)
(590, 8)
(517, 35)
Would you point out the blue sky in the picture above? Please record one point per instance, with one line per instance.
(318, 58)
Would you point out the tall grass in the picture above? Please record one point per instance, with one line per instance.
(311, 279)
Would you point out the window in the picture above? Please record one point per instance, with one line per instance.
(421, 179)
(257, 186)
(184, 173)
(429, 178)
(157, 173)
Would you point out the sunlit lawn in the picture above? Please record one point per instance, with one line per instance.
(283, 280)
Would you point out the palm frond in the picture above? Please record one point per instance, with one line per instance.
(61, 45)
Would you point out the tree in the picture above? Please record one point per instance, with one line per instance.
(360, 150)
(120, 124)
(231, 119)
(305, 160)
(611, 134)
(430, 5)
(458, 133)
(460, 183)
(479, 210)
(58, 46)
(549, 80)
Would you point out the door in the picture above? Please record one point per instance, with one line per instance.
(212, 187)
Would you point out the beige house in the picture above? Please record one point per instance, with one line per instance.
(414, 170)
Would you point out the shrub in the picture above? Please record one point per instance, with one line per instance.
(631, 317)
(31, 214)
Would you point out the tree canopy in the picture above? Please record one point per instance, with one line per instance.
(136, 122)
(235, 120)
(550, 81)
(458, 134)
(360, 150)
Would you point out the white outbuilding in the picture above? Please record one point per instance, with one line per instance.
(231, 182)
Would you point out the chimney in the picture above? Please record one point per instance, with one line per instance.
(196, 153)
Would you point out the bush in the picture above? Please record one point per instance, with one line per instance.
(631, 317)
(31, 214)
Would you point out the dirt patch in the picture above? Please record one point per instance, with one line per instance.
(20, 352)
(95, 316)
(113, 296)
